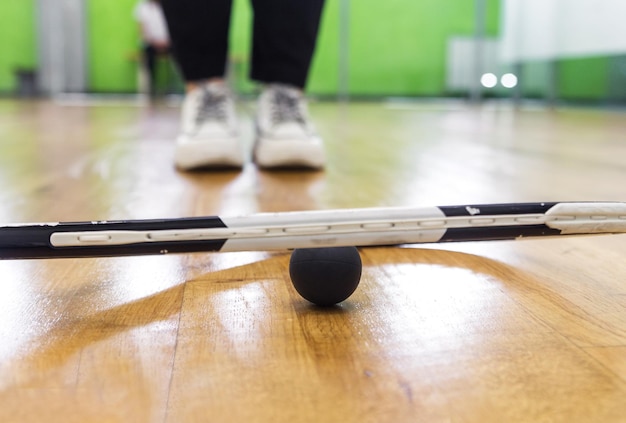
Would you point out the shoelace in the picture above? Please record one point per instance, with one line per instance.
(212, 107)
(286, 107)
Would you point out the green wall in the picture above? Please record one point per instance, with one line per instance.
(396, 47)
(583, 79)
(113, 45)
(577, 78)
(17, 32)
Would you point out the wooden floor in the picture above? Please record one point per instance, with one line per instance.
(510, 331)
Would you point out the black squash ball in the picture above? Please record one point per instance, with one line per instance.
(325, 276)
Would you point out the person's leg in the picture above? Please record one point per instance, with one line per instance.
(285, 34)
(149, 58)
(284, 38)
(199, 35)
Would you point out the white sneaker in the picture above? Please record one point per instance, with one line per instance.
(209, 136)
(285, 136)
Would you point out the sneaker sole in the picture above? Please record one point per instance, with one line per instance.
(289, 154)
(220, 153)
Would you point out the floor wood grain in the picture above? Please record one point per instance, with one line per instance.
(511, 331)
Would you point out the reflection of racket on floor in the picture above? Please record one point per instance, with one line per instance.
(311, 229)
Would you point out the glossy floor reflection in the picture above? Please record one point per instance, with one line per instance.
(478, 332)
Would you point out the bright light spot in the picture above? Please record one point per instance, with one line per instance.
(488, 80)
(20, 317)
(140, 277)
(243, 314)
(508, 80)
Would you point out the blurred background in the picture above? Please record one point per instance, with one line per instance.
(552, 50)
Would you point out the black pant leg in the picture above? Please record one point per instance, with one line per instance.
(284, 38)
(149, 54)
(199, 35)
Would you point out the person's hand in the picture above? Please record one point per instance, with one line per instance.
(161, 46)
